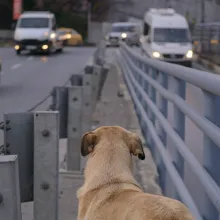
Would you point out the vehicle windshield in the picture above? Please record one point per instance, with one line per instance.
(171, 35)
(67, 32)
(64, 32)
(123, 28)
(34, 23)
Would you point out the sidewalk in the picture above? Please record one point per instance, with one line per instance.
(114, 108)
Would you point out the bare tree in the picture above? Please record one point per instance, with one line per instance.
(100, 9)
(59, 5)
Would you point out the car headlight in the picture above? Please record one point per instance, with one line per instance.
(68, 36)
(189, 54)
(123, 35)
(156, 54)
(52, 35)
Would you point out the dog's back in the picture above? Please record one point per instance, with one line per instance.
(134, 205)
(110, 191)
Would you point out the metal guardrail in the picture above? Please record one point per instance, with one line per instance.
(147, 81)
(29, 158)
(207, 38)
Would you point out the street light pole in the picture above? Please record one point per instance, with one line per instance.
(202, 21)
(202, 11)
(88, 17)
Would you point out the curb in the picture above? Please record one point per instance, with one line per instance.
(208, 64)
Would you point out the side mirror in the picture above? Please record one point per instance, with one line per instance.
(13, 26)
(54, 27)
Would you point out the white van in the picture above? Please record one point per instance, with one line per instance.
(36, 31)
(166, 36)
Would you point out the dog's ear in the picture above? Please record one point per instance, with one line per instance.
(88, 142)
(136, 146)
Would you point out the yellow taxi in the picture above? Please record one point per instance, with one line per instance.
(71, 36)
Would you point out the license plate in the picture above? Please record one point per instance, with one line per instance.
(31, 47)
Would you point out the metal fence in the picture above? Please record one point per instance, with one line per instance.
(207, 38)
(147, 81)
(29, 158)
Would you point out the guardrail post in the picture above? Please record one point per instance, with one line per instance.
(162, 105)
(179, 88)
(211, 152)
(46, 165)
(87, 102)
(60, 103)
(19, 128)
(96, 78)
(87, 105)
(74, 128)
(103, 76)
(10, 204)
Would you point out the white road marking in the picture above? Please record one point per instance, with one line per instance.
(30, 58)
(16, 66)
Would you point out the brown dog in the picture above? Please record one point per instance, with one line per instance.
(110, 191)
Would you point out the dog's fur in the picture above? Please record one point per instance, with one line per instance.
(110, 191)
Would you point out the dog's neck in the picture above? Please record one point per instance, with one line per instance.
(108, 166)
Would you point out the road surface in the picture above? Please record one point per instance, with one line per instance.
(27, 79)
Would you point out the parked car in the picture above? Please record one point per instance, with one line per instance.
(70, 36)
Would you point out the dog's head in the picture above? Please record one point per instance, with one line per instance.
(115, 134)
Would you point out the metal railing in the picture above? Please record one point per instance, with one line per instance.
(29, 157)
(147, 81)
(207, 38)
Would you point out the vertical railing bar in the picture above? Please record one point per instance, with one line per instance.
(179, 88)
(211, 153)
(162, 104)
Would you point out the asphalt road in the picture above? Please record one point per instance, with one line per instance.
(27, 79)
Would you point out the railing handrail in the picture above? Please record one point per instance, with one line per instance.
(210, 129)
(204, 80)
(186, 197)
(136, 70)
(212, 188)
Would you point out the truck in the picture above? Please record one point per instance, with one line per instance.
(166, 37)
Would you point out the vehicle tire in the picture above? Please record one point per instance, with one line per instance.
(18, 52)
(60, 50)
(189, 64)
(48, 52)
